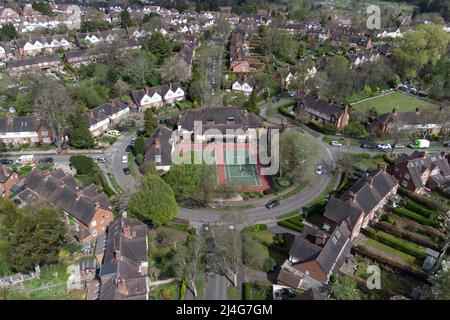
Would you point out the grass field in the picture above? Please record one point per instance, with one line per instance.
(399, 100)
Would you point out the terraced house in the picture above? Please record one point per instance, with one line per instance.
(418, 172)
(22, 130)
(8, 178)
(33, 46)
(360, 203)
(87, 212)
(106, 116)
(38, 63)
(155, 97)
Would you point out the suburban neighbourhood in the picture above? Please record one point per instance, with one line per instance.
(224, 150)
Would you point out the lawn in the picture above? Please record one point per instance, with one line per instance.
(169, 291)
(384, 104)
(257, 291)
(234, 293)
(380, 246)
(114, 183)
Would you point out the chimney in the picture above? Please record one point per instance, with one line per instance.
(126, 230)
(90, 113)
(157, 143)
(352, 196)
(382, 167)
(122, 287)
(320, 239)
(369, 180)
(146, 90)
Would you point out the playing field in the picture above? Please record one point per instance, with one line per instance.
(240, 168)
(385, 104)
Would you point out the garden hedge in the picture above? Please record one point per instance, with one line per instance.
(402, 212)
(417, 208)
(434, 205)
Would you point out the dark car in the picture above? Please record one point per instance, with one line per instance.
(101, 159)
(46, 160)
(272, 204)
(276, 100)
(367, 146)
(126, 171)
(129, 148)
(6, 161)
(140, 132)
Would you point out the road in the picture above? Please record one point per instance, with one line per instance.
(216, 287)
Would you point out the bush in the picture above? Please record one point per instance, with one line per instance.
(261, 227)
(183, 290)
(291, 225)
(140, 159)
(434, 205)
(268, 264)
(82, 164)
(402, 212)
(284, 110)
(443, 192)
(414, 206)
(139, 146)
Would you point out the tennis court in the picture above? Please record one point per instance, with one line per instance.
(240, 168)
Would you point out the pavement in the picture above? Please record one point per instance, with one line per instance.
(216, 287)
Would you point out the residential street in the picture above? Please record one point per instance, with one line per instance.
(216, 287)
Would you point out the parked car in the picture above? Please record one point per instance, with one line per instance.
(133, 141)
(46, 160)
(272, 204)
(319, 169)
(26, 159)
(384, 146)
(140, 132)
(6, 161)
(292, 94)
(367, 146)
(101, 159)
(126, 171)
(125, 158)
(113, 133)
(276, 100)
(129, 148)
(336, 144)
(399, 146)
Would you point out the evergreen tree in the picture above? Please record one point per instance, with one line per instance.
(79, 134)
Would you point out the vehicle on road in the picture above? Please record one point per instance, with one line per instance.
(101, 159)
(126, 171)
(125, 158)
(26, 159)
(292, 94)
(420, 144)
(272, 204)
(129, 148)
(319, 169)
(139, 133)
(336, 144)
(46, 160)
(367, 146)
(399, 146)
(276, 100)
(6, 161)
(113, 133)
(133, 141)
(384, 146)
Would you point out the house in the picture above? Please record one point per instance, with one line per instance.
(146, 98)
(8, 15)
(286, 77)
(32, 46)
(238, 51)
(313, 257)
(35, 64)
(23, 130)
(419, 171)
(107, 115)
(6, 51)
(78, 58)
(159, 148)
(221, 119)
(395, 121)
(124, 271)
(8, 178)
(244, 85)
(389, 33)
(360, 203)
(86, 211)
(314, 109)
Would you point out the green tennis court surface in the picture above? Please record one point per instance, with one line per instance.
(240, 168)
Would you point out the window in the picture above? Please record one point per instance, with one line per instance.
(157, 158)
(406, 176)
(94, 233)
(334, 240)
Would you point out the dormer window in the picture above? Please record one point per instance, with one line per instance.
(230, 120)
(157, 158)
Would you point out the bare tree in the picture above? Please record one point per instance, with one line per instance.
(138, 67)
(175, 69)
(426, 119)
(54, 105)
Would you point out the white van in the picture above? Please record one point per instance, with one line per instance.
(26, 159)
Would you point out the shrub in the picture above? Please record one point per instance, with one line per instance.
(268, 264)
(434, 205)
(139, 146)
(82, 164)
(183, 290)
(414, 206)
(261, 227)
(295, 226)
(402, 212)
(140, 159)
(165, 293)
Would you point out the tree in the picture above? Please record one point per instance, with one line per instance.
(31, 239)
(139, 146)
(150, 122)
(138, 67)
(251, 104)
(154, 201)
(43, 8)
(440, 283)
(149, 16)
(82, 164)
(426, 118)
(79, 134)
(54, 105)
(175, 69)
(344, 288)
(125, 19)
(159, 46)
(8, 32)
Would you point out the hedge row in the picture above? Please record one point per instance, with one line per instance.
(417, 208)
(284, 110)
(434, 205)
(183, 290)
(326, 129)
(388, 160)
(402, 212)
(104, 182)
(443, 192)
(295, 225)
(343, 184)
(397, 243)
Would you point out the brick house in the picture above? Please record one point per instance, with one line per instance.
(419, 171)
(103, 117)
(8, 178)
(360, 203)
(39, 63)
(32, 46)
(238, 51)
(22, 130)
(87, 212)
(124, 272)
(159, 148)
(317, 110)
(314, 257)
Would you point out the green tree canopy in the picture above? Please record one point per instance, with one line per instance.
(154, 201)
(79, 134)
(82, 164)
(344, 288)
